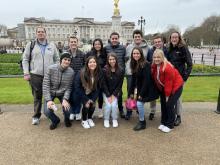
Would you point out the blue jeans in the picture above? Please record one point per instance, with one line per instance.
(110, 109)
(51, 115)
(75, 103)
(140, 107)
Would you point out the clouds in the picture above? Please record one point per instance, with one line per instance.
(158, 14)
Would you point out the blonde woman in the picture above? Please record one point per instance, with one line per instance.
(170, 84)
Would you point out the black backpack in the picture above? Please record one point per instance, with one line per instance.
(29, 61)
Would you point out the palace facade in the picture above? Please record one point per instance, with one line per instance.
(86, 29)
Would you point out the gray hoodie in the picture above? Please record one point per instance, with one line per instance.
(129, 49)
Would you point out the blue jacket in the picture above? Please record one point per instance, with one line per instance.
(151, 52)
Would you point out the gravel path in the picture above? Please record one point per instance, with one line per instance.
(195, 141)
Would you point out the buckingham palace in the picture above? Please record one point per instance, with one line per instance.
(86, 29)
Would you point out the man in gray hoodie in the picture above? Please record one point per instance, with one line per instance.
(138, 42)
(36, 59)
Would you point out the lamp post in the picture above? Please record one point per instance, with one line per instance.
(141, 22)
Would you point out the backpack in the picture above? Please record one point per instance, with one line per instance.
(29, 61)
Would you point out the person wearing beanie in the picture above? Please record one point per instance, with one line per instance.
(57, 83)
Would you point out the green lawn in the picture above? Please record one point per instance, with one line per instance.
(17, 91)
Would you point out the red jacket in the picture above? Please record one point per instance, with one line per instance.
(170, 78)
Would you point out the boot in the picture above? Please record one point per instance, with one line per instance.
(177, 121)
(140, 125)
(128, 115)
(151, 116)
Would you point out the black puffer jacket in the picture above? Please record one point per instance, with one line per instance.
(143, 81)
(112, 83)
(181, 58)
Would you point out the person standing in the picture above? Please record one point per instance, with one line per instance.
(57, 83)
(157, 44)
(120, 51)
(138, 41)
(99, 52)
(38, 55)
(180, 57)
(88, 83)
(170, 84)
(112, 84)
(77, 63)
(142, 86)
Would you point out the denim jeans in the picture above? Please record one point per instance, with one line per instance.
(75, 103)
(51, 115)
(140, 107)
(110, 108)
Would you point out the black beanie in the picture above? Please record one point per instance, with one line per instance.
(65, 55)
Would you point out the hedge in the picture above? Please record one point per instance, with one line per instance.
(197, 68)
(10, 58)
(10, 69)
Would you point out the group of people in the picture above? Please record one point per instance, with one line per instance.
(79, 79)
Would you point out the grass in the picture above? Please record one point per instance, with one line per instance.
(17, 91)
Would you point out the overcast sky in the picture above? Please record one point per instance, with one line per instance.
(159, 14)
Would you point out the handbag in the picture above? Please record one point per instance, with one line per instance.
(131, 103)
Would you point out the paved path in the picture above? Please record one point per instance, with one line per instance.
(195, 141)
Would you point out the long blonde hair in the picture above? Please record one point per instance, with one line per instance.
(162, 56)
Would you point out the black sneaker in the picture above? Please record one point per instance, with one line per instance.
(177, 121)
(54, 125)
(67, 123)
(151, 116)
(122, 115)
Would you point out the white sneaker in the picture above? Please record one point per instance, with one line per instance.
(72, 116)
(106, 124)
(115, 123)
(91, 123)
(100, 114)
(161, 127)
(35, 121)
(85, 124)
(78, 116)
(166, 129)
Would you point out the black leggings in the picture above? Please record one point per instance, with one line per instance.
(87, 112)
(168, 108)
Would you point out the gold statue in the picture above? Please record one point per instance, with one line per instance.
(116, 9)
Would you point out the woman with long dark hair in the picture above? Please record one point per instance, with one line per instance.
(112, 84)
(99, 52)
(180, 57)
(88, 85)
(142, 86)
